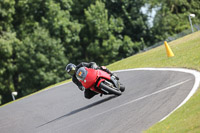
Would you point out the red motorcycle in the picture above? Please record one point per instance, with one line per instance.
(99, 81)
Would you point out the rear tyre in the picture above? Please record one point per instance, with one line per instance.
(111, 90)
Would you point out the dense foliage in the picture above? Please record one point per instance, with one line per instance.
(172, 16)
(39, 37)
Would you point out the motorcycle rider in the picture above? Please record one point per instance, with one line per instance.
(72, 69)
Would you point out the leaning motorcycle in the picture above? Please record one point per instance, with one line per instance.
(99, 81)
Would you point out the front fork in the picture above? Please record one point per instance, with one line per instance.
(115, 81)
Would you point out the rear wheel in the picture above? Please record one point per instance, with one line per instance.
(110, 88)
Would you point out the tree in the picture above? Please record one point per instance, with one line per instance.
(9, 44)
(58, 21)
(135, 21)
(51, 15)
(31, 64)
(41, 62)
(6, 12)
(172, 17)
(128, 48)
(99, 43)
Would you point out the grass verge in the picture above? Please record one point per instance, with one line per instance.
(187, 55)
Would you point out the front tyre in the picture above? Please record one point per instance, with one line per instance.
(109, 89)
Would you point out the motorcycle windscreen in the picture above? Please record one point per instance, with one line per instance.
(88, 78)
(81, 73)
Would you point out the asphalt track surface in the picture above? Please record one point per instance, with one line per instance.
(149, 97)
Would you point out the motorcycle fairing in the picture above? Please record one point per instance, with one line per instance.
(92, 76)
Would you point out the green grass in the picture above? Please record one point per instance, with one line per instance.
(187, 55)
(186, 51)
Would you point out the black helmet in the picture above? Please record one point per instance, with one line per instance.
(70, 68)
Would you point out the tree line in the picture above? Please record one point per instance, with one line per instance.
(38, 38)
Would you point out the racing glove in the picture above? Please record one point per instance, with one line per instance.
(82, 88)
(115, 75)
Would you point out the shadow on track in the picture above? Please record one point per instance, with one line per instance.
(79, 110)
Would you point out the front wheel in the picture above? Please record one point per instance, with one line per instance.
(110, 89)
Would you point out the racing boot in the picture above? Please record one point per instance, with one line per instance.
(108, 71)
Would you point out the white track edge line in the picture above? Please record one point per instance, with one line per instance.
(130, 102)
(193, 90)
